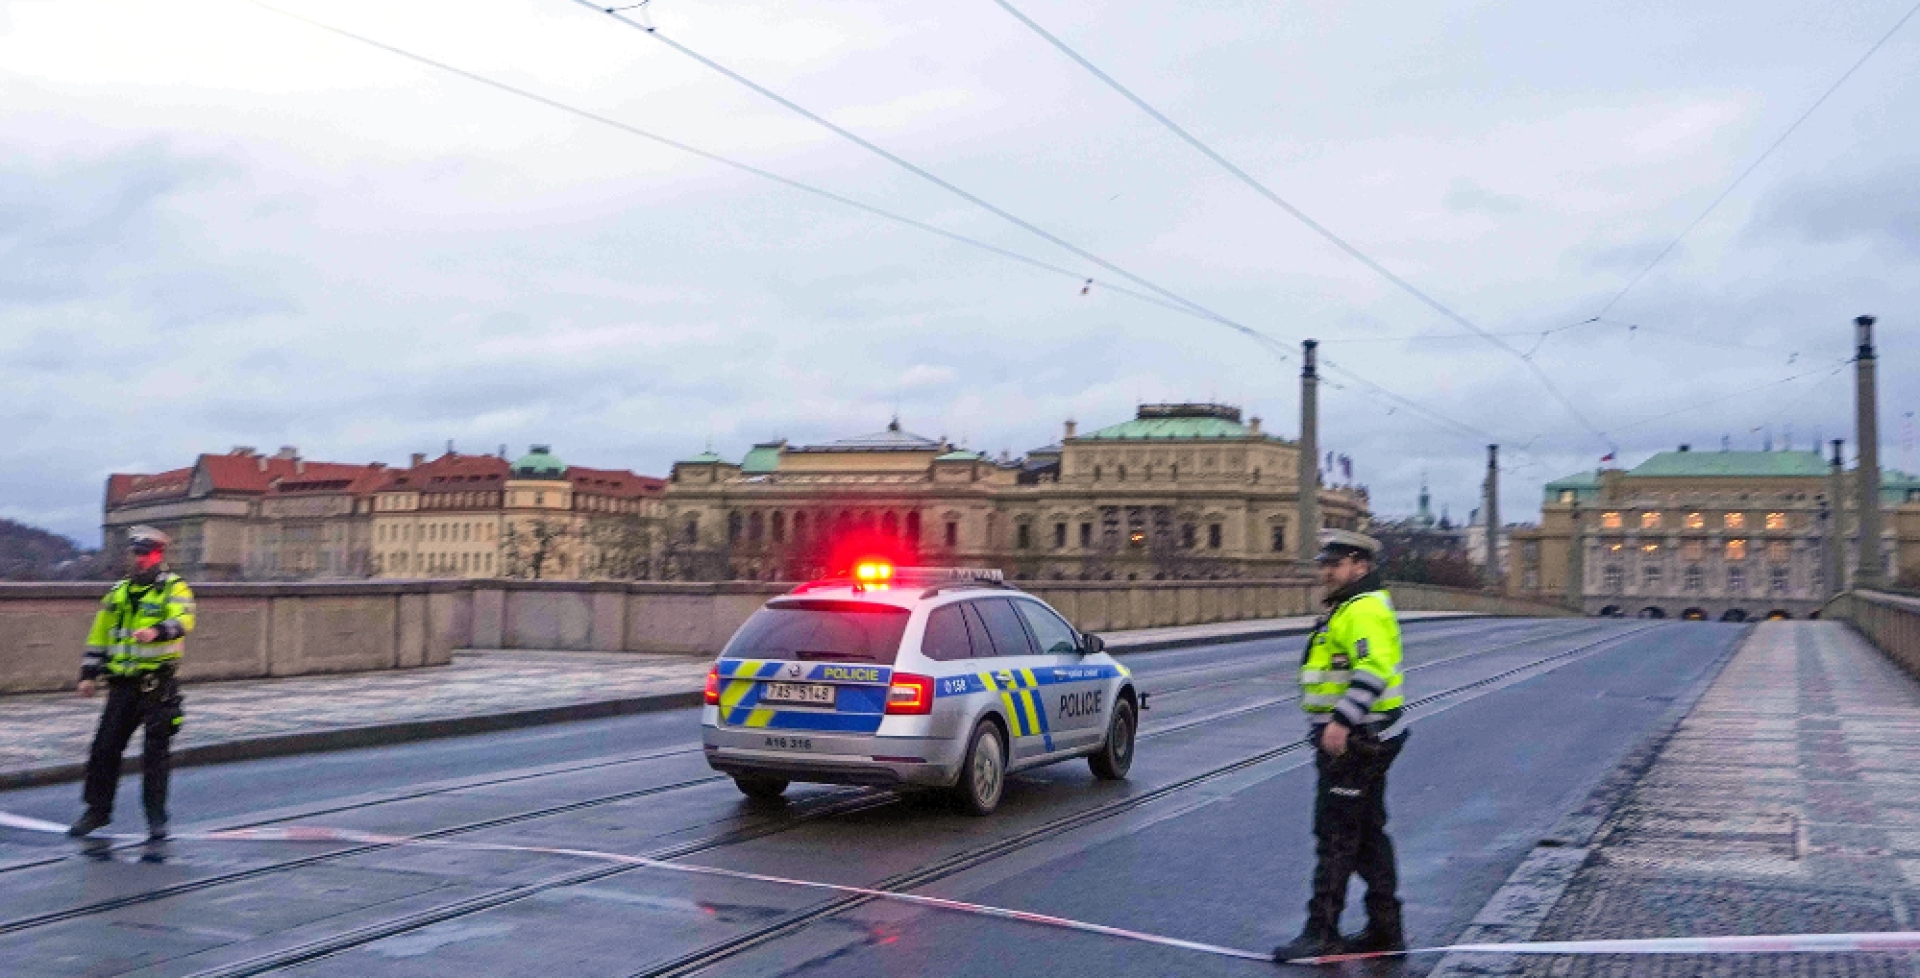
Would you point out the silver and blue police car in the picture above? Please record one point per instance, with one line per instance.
(916, 678)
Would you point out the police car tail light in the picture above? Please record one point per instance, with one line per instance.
(713, 686)
(910, 694)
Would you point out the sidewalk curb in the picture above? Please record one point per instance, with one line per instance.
(1517, 909)
(382, 734)
(374, 735)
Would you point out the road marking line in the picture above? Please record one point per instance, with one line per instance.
(1780, 944)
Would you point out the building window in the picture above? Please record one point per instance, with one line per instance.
(1650, 576)
(1776, 521)
(1022, 536)
(1651, 548)
(1735, 521)
(734, 526)
(799, 527)
(489, 563)
(539, 499)
(1778, 551)
(756, 527)
(1694, 580)
(1736, 549)
(1610, 521)
(1694, 550)
(779, 528)
(1189, 535)
(1279, 538)
(1059, 536)
(1213, 536)
(1530, 580)
(890, 525)
(1778, 581)
(953, 533)
(1650, 521)
(913, 528)
(1121, 473)
(1737, 580)
(1086, 536)
(692, 530)
(1566, 495)
(1096, 473)
(1696, 521)
(1616, 578)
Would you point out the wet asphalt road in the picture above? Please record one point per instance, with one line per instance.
(1207, 840)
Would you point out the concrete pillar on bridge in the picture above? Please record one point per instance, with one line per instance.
(1490, 505)
(1309, 478)
(1836, 555)
(1871, 571)
(1576, 561)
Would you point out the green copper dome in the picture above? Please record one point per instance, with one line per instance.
(540, 463)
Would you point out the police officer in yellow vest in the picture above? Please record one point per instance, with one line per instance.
(1351, 690)
(135, 645)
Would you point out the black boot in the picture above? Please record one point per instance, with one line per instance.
(1383, 933)
(89, 820)
(1315, 940)
(156, 826)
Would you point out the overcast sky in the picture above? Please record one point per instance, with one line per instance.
(219, 226)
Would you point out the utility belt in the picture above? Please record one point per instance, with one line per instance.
(148, 680)
(1377, 728)
(167, 711)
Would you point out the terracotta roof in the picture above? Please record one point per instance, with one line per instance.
(452, 471)
(614, 482)
(125, 489)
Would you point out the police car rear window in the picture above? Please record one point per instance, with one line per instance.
(823, 631)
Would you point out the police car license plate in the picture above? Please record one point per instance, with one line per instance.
(798, 694)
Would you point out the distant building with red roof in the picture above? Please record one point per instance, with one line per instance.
(248, 516)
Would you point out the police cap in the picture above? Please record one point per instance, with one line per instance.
(147, 538)
(1337, 545)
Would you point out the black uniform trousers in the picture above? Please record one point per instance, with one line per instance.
(131, 705)
(1350, 829)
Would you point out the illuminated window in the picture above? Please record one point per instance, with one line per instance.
(1736, 549)
(1566, 495)
(1693, 549)
(1610, 521)
(1735, 521)
(1776, 521)
(1696, 521)
(1650, 521)
(1652, 548)
(1615, 546)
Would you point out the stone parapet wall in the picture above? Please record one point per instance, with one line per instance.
(1890, 621)
(251, 631)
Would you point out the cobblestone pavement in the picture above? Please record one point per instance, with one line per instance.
(1787, 802)
(55, 728)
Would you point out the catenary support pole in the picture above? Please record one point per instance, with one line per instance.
(1836, 555)
(1870, 572)
(1490, 505)
(1309, 475)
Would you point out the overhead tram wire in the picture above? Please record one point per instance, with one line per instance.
(1762, 158)
(1276, 346)
(1186, 309)
(891, 157)
(1322, 230)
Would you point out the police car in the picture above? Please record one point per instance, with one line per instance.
(913, 677)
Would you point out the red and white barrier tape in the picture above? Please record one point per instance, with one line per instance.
(1781, 944)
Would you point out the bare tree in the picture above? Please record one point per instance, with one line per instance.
(535, 549)
(621, 547)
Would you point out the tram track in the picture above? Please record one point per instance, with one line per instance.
(947, 866)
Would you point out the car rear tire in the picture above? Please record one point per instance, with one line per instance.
(983, 775)
(1115, 756)
(761, 789)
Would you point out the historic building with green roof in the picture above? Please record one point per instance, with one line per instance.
(1179, 491)
(1719, 534)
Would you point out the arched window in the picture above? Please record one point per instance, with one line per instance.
(913, 528)
(734, 525)
(890, 525)
(779, 527)
(799, 527)
(756, 527)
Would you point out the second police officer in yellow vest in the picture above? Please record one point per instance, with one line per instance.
(1351, 689)
(135, 644)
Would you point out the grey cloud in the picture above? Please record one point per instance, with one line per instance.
(1879, 208)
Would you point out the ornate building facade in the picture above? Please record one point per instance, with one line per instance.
(1182, 491)
(246, 516)
(1722, 535)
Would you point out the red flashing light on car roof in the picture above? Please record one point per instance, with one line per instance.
(873, 572)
